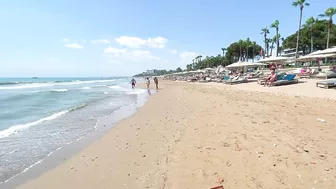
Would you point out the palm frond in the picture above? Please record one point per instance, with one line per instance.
(295, 3)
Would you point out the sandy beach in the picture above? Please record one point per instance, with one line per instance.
(192, 135)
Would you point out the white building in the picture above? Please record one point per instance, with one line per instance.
(290, 53)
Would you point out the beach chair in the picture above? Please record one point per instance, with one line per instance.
(280, 75)
(286, 80)
(236, 81)
(326, 83)
(307, 74)
(326, 75)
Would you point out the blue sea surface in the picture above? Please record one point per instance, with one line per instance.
(40, 116)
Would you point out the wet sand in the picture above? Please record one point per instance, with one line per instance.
(204, 135)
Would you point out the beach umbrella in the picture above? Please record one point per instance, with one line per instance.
(272, 59)
(325, 51)
(244, 64)
(311, 57)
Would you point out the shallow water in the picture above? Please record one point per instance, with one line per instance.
(41, 116)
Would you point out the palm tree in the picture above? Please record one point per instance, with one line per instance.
(265, 31)
(224, 49)
(310, 23)
(268, 42)
(241, 43)
(302, 4)
(247, 48)
(254, 44)
(330, 12)
(276, 26)
(272, 41)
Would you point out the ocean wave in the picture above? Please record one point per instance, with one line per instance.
(136, 92)
(59, 90)
(18, 128)
(48, 84)
(119, 88)
(85, 88)
(8, 83)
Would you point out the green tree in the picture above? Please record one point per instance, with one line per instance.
(319, 33)
(310, 23)
(301, 4)
(234, 50)
(189, 67)
(273, 40)
(265, 31)
(178, 69)
(275, 25)
(241, 43)
(330, 12)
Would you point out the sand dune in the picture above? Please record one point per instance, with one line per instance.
(205, 135)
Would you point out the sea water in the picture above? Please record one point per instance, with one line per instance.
(40, 116)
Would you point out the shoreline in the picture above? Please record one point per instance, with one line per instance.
(55, 158)
(190, 135)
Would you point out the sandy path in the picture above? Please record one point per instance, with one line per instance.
(191, 135)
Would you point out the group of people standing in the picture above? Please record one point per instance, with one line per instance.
(156, 81)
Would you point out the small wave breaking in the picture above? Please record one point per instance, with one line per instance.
(15, 86)
(18, 128)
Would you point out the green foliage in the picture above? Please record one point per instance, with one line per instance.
(179, 69)
(300, 3)
(319, 33)
(330, 12)
(237, 51)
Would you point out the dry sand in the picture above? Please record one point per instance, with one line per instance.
(196, 135)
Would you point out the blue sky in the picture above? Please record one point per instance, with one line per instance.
(119, 38)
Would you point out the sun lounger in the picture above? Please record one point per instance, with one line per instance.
(286, 80)
(326, 83)
(236, 81)
(307, 74)
(262, 80)
(326, 75)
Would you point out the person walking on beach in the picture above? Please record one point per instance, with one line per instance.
(156, 81)
(133, 83)
(147, 82)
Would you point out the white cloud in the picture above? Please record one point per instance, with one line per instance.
(157, 42)
(74, 46)
(173, 52)
(65, 40)
(135, 42)
(101, 41)
(186, 57)
(113, 50)
(124, 55)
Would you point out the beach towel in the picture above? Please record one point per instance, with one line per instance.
(289, 77)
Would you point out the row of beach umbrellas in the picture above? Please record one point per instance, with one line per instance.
(327, 53)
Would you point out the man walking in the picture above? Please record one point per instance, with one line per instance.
(156, 81)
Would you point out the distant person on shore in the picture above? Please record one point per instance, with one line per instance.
(147, 82)
(156, 81)
(133, 83)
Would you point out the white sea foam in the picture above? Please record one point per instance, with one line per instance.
(119, 88)
(59, 90)
(39, 85)
(137, 91)
(17, 128)
(86, 88)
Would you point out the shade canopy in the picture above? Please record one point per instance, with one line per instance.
(275, 59)
(311, 57)
(325, 51)
(244, 64)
